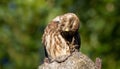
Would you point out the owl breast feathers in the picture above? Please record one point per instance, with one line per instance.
(61, 37)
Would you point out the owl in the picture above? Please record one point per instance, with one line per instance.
(61, 37)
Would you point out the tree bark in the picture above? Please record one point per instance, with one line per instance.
(77, 60)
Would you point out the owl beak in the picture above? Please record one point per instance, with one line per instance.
(67, 29)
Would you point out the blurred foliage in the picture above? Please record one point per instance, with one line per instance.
(22, 23)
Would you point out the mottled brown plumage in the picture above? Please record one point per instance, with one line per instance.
(61, 37)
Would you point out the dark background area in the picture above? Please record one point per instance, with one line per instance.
(22, 23)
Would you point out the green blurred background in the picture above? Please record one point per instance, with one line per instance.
(22, 23)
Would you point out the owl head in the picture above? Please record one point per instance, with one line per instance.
(67, 23)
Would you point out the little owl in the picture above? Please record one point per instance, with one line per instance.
(61, 37)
